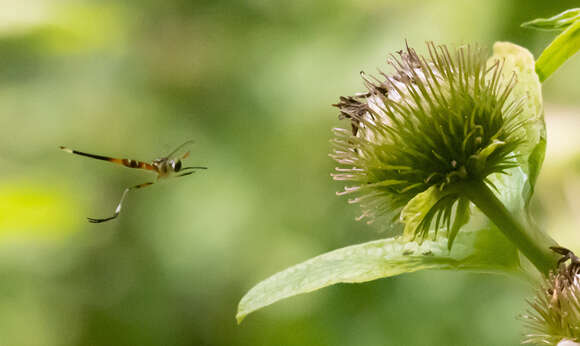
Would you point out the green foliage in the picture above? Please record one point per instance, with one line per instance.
(531, 156)
(518, 61)
(563, 47)
(420, 210)
(461, 218)
(558, 22)
(481, 251)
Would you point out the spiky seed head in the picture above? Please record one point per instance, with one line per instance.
(555, 311)
(436, 120)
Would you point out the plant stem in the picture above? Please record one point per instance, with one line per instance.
(563, 47)
(534, 244)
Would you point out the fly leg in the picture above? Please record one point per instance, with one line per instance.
(118, 210)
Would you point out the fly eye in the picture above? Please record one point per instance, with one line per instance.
(176, 165)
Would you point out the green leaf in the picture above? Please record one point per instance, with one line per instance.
(481, 157)
(462, 214)
(535, 163)
(482, 251)
(563, 47)
(416, 210)
(527, 90)
(558, 22)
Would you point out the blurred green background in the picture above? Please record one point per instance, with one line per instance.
(252, 82)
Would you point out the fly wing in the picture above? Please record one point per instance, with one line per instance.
(189, 142)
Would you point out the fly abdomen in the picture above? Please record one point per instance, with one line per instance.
(131, 163)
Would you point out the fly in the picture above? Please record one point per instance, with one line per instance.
(165, 167)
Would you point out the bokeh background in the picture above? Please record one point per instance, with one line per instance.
(252, 82)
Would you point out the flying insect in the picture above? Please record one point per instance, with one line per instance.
(165, 167)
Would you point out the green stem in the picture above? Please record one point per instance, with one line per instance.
(534, 244)
(561, 49)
